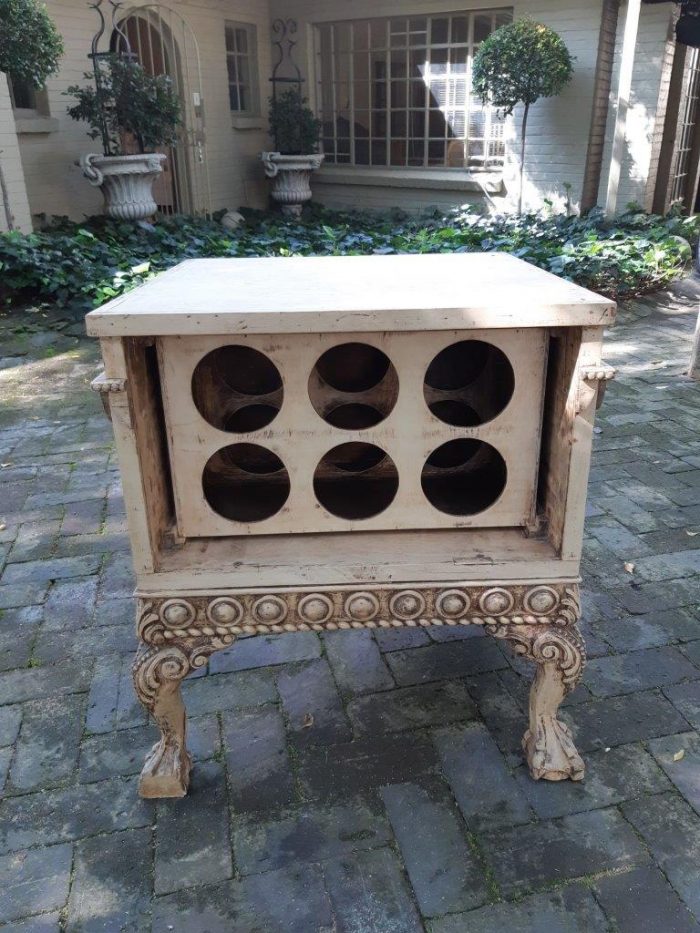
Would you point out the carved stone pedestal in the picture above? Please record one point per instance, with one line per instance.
(179, 634)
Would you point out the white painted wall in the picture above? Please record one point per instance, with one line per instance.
(12, 164)
(55, 183)
(645, 116)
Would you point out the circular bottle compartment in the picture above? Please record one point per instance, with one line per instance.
(237, 389)
(464, 477)
(245, 483)
(353, 386)
(468, 383)
(356, 481)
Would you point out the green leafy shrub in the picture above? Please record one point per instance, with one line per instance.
(127, 102)
(83, 265)
(30, 44)
(518, 64)
(293, 126)
(30, 49)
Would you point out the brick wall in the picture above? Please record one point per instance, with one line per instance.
(12, 164)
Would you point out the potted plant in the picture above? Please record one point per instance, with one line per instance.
(518, 64)
(30, 49)
(128, 109)
(295, 131)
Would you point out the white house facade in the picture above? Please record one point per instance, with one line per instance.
(390, 81)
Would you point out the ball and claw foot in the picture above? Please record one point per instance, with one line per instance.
(550, 752)
(166, 772)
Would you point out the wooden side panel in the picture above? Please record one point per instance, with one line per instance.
(149, 428)
(140, 442)
(568, 436)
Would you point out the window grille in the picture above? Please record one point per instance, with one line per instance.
(690, 112)
(242, 63)
(398, 92)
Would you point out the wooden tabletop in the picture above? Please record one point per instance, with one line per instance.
(437, 291)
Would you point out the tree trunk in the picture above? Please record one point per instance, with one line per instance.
(523, 130)
(6, 199)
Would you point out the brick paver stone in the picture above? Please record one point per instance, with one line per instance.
(363, 781)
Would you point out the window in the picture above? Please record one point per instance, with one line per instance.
(23, 95)
(242, 63)
(397, 92)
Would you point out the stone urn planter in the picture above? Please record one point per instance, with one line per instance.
(291, 178)
(126, 182)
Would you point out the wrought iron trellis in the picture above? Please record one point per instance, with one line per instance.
(97, 57)
(285, 71)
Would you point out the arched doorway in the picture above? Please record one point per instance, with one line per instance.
(163, 43)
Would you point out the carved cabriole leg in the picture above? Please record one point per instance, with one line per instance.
(174, 641)
(559, 653)
(157, 677)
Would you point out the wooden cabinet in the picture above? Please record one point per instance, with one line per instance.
(341, 442)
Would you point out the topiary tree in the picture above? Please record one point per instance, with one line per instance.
(292, 124)
(30, 49)
(127, 101)
(518, 64)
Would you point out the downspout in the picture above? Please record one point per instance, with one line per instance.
(601, 104)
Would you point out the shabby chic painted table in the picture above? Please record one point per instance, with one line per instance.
(312, 444)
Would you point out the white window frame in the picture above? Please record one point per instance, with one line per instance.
(251, 55)
(341, 149)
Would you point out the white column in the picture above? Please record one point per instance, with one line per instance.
(629, 41)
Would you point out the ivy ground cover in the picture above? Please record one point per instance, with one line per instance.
(79, 266)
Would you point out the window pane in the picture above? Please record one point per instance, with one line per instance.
(378, 123)
(460, 29)
(377, 33)
(243, 97)
(482, 27)
(438, 30)
(360, 65)
(232, 66)
(398, 93)
(361, 151)
(242, 40)
(233, 97)
(23, 95)
(436, 153)
(417, 94)
(361, 36)
(230, 39)
(436, 123)
(398, 123)
(378, 152)
(361, 123)
(342, 37)
(243, 70)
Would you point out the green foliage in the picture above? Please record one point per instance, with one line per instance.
(128, 102)
(292, 124)
(30, 44)
(519, 63)
(80, 266)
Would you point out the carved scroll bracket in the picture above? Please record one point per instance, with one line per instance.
(107, 387)
(594, 380)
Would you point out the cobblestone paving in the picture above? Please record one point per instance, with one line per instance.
(405, 805)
